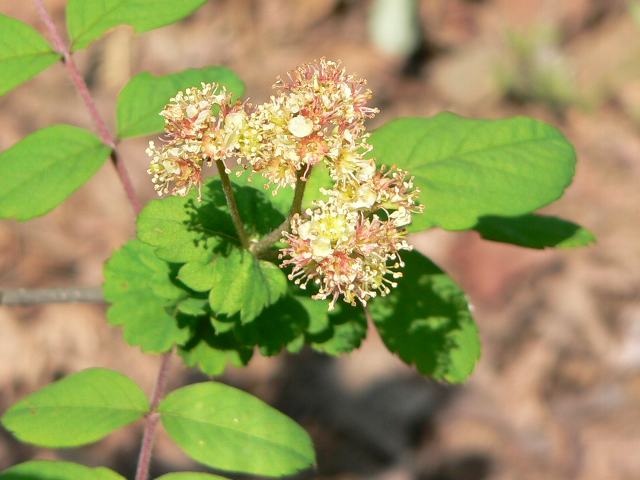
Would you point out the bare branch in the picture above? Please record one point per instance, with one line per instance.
(37, 296)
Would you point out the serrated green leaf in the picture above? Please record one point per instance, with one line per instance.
(79, 409)
(426, 321)
(243, 284)
(23, 53)
(183, 229)
(228, 429)
(44, 168)
(190, 476)
(194, 306)
(212, 351)
(87, 20)
(469, 168)
(534, 231)
(56, 470)
(143, 298)
(142, 99)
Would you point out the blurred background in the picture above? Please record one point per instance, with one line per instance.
(557, 392)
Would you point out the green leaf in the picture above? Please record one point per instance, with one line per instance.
(79, 409)
(23, 53)
(142, 99)
(467, 169)
(190, 476)
(243, 284)
(426, 321)
(43, 169)
(228, 429)
(87, 20)
(198, 276)
(211, 351)
(143, 298)
(277, 325)
(55, 470)
(183, 229)
(345, 332)
(534, 231)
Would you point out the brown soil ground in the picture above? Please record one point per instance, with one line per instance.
(557, 391)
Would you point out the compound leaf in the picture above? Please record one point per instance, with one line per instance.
(79, 409)
(228, 429)
(44, 168)
(143, 298)
(23, 53)
(191, 476)
(426, 321)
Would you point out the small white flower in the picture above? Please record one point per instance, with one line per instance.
(300, 126)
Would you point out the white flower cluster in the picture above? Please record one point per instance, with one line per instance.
(348, 244)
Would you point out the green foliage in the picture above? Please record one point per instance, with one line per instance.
(142, 99)
(534, 231)
(426, 321)
(87, 20)
(54, 470)
(228, 429)
(79, 409)
(467, 169)
(43, 169)
(143, 297)
(190, 476)
(23, 53)
(185, 229)
(243, 284)
(346, 330)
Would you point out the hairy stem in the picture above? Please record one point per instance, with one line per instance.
(37, 296)
(83, 90)
(272, 237)
(153, 417)
(231, 202)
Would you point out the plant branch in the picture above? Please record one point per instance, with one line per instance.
(83, 90)
(153, 417)
(231, 202)
(37, 296)
(272, 237)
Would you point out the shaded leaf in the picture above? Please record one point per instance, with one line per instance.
(346, 330)
(534, 231)
(142, 99)
(228, 429)
(44, 168)
(79, 409)
(426, 321)
(469, 168)
(23, 53)
(87, 20)
(211, 351)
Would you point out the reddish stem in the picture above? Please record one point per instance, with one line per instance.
(148, 437)
(83, 90)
